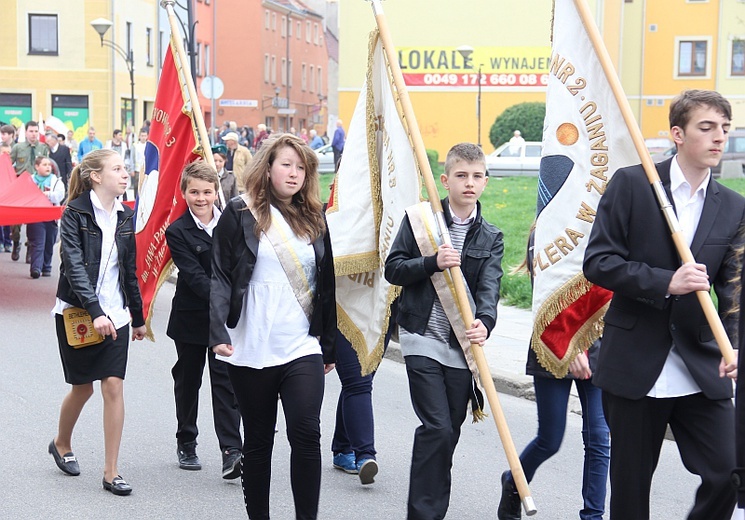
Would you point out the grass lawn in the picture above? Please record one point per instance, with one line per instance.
(509, 203)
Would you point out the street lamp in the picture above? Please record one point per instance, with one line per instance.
(102, 25)
(466, 51)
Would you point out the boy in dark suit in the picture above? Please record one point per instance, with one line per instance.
(190, 241)
(660, 364)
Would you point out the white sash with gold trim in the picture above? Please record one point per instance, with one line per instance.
(278, 235)
(424, 226)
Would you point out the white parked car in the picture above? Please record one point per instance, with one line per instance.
(325, 156)
(511, 160)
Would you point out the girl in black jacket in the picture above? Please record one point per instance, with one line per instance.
(97, 275)
(273, 287)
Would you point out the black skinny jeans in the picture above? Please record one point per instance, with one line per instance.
(300, 385)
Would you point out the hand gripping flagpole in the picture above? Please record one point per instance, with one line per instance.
(704, 298)
(518, 474)
(190, 87)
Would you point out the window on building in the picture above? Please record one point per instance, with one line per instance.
(129, 39)
(738, 58)
(42, 34)
(289, 28)
(307, 32)
(315, 33)
(283, 74)
(266, 68)
(266, 20)
(274, 21)
(692, 58)
(303, 78)
(298, 30)
(289, 82)
(320, 81)
(284, 27)
(161, 49)
(149, 46)
(312, 79)
(207, 70)
(273, 69)
(198, 60)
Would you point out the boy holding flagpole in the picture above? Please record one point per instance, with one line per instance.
(660, 364)
(433, 337)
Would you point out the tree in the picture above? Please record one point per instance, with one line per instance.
(526, 117)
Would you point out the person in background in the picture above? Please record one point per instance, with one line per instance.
(353, 444)
(552, 398)
(97, 274)
(516, 143)
(440, 382)
(8, 135)
(190, 241)
(304, 135)
(227, 179)
(60, 154)
(43, 235)
(89, 144)
(237, 158)
(139, 161)
(261, 136)
(337, 144)
(118, 144)
(73, 145)
(315, 140)
(23, 155)
(273, 316)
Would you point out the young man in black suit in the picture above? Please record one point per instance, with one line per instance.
(60, 154)
(660, 364)
(190, 241)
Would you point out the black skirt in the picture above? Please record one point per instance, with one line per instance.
(88, 364)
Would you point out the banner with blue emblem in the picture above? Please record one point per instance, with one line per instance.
(585, 140)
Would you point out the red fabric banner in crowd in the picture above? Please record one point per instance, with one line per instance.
(21, 201)
(171, 145)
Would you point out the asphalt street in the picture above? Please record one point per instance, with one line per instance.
(31, 486)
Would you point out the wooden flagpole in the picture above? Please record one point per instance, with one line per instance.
(420, 152)
(190, 87)
(704, 298)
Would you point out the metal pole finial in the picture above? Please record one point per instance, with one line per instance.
(165, 3)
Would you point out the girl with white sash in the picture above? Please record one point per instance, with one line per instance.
(273, 315)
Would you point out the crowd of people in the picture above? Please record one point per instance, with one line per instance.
(255, 303)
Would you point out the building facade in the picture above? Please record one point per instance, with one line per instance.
(273, 62)
(52, 63)
(659, 48)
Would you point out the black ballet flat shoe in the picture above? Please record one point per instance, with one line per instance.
(118, 486)
(67, 462)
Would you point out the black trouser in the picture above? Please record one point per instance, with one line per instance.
(440, 397)
(300, 385)
(704, 432)
(187, 379)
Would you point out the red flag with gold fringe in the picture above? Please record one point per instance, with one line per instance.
(171, 145)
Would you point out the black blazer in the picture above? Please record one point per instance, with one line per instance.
(739, 473)
(233, 261)
(631, 252)
(191, 251)
(64, 162)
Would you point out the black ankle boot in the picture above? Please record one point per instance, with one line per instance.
(509, 505)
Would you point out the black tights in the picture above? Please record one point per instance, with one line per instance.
(300, 385)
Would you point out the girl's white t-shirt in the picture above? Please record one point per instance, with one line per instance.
(273, 329)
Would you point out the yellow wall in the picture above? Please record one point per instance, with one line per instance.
(733, 87)
(82, 67)
(445, 115)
